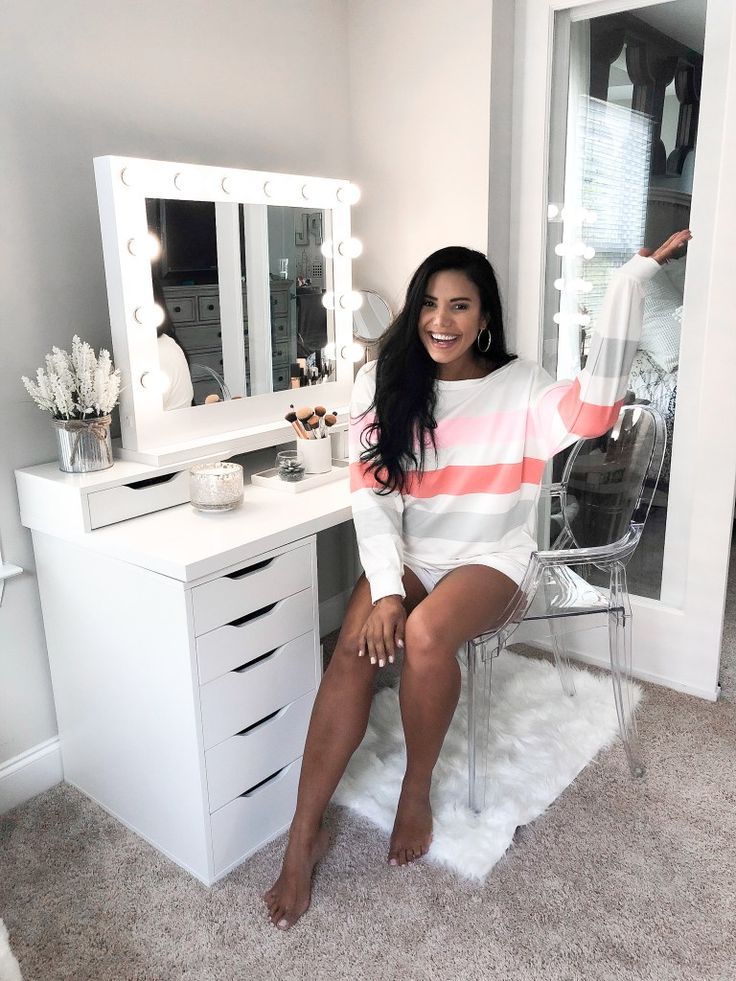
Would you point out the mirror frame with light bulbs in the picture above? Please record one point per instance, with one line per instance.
(150, 434)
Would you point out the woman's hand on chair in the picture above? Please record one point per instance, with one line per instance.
(383, 631)
(669, 249)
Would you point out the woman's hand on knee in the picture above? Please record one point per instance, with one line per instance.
(383, 631)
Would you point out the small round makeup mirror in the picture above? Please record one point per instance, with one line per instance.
(372, 319)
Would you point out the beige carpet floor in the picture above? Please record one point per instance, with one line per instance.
(617, 880)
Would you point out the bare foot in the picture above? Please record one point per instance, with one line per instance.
(412, 833)
(288, 898)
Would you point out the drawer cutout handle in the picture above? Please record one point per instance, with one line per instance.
(152, 481)
(256, 660)
(260, 786)
(241, 573)
(252, 616)
(261, 722)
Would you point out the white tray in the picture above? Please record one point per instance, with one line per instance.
(270, 478)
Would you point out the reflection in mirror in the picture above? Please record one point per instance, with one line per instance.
(185, 283)
(300, 279)
(623, 134)
(372, 319)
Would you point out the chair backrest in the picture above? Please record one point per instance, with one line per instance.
(610, 480)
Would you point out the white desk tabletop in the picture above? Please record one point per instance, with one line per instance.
(186, 544)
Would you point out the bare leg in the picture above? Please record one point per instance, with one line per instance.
(463, 604)
(338, 724)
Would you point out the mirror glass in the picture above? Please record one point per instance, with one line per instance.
(623, 141)
(192, 355)
(372, 319)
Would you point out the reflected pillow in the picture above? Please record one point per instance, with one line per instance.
(675, 273)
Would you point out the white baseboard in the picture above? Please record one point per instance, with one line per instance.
(30, 773)
(332, 611)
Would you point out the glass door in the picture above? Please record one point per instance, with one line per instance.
(617, 118)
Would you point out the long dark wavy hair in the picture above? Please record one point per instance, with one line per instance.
(406, 397)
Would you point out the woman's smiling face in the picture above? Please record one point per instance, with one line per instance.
(449, 323)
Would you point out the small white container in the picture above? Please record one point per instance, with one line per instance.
(316, 454)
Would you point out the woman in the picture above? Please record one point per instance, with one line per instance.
(449, 437)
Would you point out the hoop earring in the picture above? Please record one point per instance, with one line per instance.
(487, 340)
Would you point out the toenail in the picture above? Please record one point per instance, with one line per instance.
(381, 663)
(282, 924)
(392, 861)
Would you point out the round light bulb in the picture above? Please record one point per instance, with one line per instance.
(558, 318)
(584, 320)
(552, 211)
(227, 185)
(353, 352)
(150, 316)
(559, 284)
(268, 189)
(129, 176)
(348, 194)
(180, 182)
(579, 248)
(351, 301)
(155, 381)
(588, 252)
(561, 249)
(328, 300)
(307, 191)
(148, 247)
(329, 352)
(326, 248)
(351, 248)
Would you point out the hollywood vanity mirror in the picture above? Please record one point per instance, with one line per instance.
(250, 272)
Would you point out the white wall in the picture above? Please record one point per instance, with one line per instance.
(420, 92)
(253, 84)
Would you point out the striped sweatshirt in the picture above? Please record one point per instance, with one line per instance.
(477, 496)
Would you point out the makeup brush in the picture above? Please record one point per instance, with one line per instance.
(320, 411)
(305, 435)
(291, 418)
(304, 415)
(330, 419)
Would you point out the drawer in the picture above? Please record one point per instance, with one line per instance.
(194, 339)
(234, 646)
(210, 359)
(279, 302)
(251, 588)
(280, 329)
(182, 310)
(245, 759)
(249, 821)
(208, 307)
(280, 353)
(141, 497)
(281, 378)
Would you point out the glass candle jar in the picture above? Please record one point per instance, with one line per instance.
(216, 486)
(291, 468)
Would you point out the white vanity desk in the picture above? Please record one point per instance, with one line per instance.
(185, 656)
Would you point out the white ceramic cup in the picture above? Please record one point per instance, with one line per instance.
(316, 454)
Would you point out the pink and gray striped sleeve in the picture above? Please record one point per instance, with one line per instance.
(588, 406)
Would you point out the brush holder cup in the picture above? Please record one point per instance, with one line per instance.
(316, 454)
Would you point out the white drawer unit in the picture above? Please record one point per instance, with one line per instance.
(183, 705)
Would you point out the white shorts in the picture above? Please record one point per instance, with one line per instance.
(511, 566)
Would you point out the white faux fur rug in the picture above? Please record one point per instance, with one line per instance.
(540, 740)
(9, 969)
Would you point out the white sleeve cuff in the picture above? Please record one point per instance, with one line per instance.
(641, 267)
(385, 584)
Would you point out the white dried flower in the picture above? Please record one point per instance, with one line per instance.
(80, 386)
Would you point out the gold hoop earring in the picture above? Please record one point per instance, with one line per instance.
(487, 341)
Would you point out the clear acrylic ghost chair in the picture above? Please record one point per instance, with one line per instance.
(604, 496)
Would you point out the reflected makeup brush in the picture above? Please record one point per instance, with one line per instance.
(291, 418)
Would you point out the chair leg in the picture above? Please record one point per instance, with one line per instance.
(619, 639)
(559, 648)
(480, 660)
